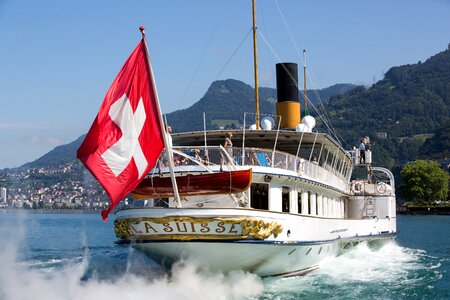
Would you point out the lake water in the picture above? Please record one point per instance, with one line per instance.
(73, 256)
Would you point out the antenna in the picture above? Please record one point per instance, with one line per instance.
(255, 61)
(306, 112)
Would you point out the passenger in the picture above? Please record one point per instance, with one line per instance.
(362, 152)
(301, 167)
(206, 159)
(197, 154)
(279, 162)
(169, 143)
(253, 159)
(228, 143)
(176, 160)
(314, 160)
(184, 161)
(169, 137)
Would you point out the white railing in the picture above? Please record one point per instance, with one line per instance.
(214, 156)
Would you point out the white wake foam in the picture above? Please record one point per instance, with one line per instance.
(363, 263)
(358, 272)
(20, 280)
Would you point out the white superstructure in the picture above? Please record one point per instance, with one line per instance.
(300, 207)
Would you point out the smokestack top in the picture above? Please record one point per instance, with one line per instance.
(287, 82)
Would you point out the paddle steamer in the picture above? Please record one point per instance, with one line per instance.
(278, 202)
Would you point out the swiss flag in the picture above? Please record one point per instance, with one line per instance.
(125, 140)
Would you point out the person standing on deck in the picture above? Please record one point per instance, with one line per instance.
(362, 152)
(228, 143)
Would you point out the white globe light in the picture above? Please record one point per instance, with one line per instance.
(302, 128)
(252, 127)
(309, 121)
(267, 123)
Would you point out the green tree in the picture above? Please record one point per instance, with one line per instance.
(424, 181)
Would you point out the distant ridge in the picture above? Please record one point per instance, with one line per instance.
(226, 101)
(60, 155)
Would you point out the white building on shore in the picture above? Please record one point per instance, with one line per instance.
(3, 194)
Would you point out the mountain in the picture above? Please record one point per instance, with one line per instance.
(61, 155)
(226, 101)
(399, 111)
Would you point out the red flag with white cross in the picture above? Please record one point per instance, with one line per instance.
(125, 140)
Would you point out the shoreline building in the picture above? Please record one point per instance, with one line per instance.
(3, 195)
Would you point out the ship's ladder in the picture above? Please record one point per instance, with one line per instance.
(369, 207)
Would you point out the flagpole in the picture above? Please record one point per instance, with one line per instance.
(161, 122)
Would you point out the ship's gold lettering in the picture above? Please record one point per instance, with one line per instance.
(204, 228)
(148, 227)
(184, 227)
(193, 227)
(220, 227)
(232, 229)
(167, 227)
(134, 229)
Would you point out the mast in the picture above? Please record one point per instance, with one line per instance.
(255, 63)
(304, 83)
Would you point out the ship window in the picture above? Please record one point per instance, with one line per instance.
(309, 250)
(161, 202)
(299, 202)
(260, 196)
(309, 203)
(317, 206)
(285, 199)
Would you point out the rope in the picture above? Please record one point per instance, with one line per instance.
(203, 54)
(277, 57)
(325, 118)
(234, 52)
(287, 28)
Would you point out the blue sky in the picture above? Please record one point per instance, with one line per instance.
(58, 57)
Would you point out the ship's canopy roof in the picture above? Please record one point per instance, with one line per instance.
(288, 140)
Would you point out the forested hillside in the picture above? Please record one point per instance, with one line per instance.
(399, 112)
(226, 101)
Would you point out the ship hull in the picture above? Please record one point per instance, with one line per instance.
(280, 244)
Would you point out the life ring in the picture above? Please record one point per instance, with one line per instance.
(381, 187)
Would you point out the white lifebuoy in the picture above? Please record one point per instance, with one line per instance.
(381, 187)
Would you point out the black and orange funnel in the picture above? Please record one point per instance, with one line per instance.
(288, 106)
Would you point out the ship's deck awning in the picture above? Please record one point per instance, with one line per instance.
(288, 140)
